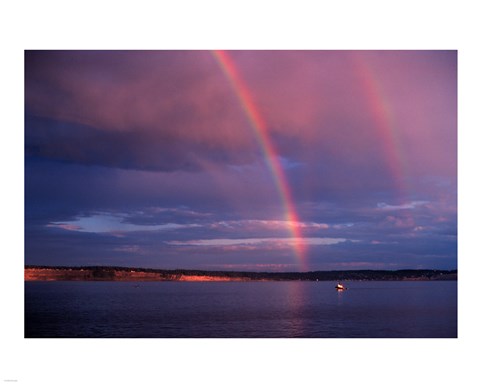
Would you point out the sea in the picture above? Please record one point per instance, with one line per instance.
(284, 309)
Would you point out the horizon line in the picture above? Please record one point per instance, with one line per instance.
(236, 271)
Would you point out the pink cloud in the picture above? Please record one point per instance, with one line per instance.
(67, 227)
(306, 97)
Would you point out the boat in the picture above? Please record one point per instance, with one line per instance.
(340, 287)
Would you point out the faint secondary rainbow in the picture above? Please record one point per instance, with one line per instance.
(271, 158)
(384, 123)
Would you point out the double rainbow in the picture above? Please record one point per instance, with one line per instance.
(383, 124)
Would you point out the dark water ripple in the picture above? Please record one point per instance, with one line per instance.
(240, 310)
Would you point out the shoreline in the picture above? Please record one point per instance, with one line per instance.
(100, 273)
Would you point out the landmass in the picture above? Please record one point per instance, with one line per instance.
(107, 273)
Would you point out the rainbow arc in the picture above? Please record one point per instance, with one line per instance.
(383, 124)
(272, 159)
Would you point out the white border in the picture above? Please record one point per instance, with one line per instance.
(215, 25)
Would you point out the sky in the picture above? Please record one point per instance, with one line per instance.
(241, 160)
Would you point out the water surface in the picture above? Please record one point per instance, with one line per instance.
(240, 309)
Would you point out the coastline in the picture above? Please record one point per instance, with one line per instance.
(106, 273)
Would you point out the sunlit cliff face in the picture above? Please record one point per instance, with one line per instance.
(44, 274)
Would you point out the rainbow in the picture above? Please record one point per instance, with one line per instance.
(383, 122)
(384, 125)
(272, 160)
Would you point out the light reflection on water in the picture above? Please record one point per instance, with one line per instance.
(295, 300)
(246, 310)
(340, 297)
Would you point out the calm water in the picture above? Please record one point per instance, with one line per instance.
(231, 309)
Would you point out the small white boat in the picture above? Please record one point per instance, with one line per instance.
(340, 287)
